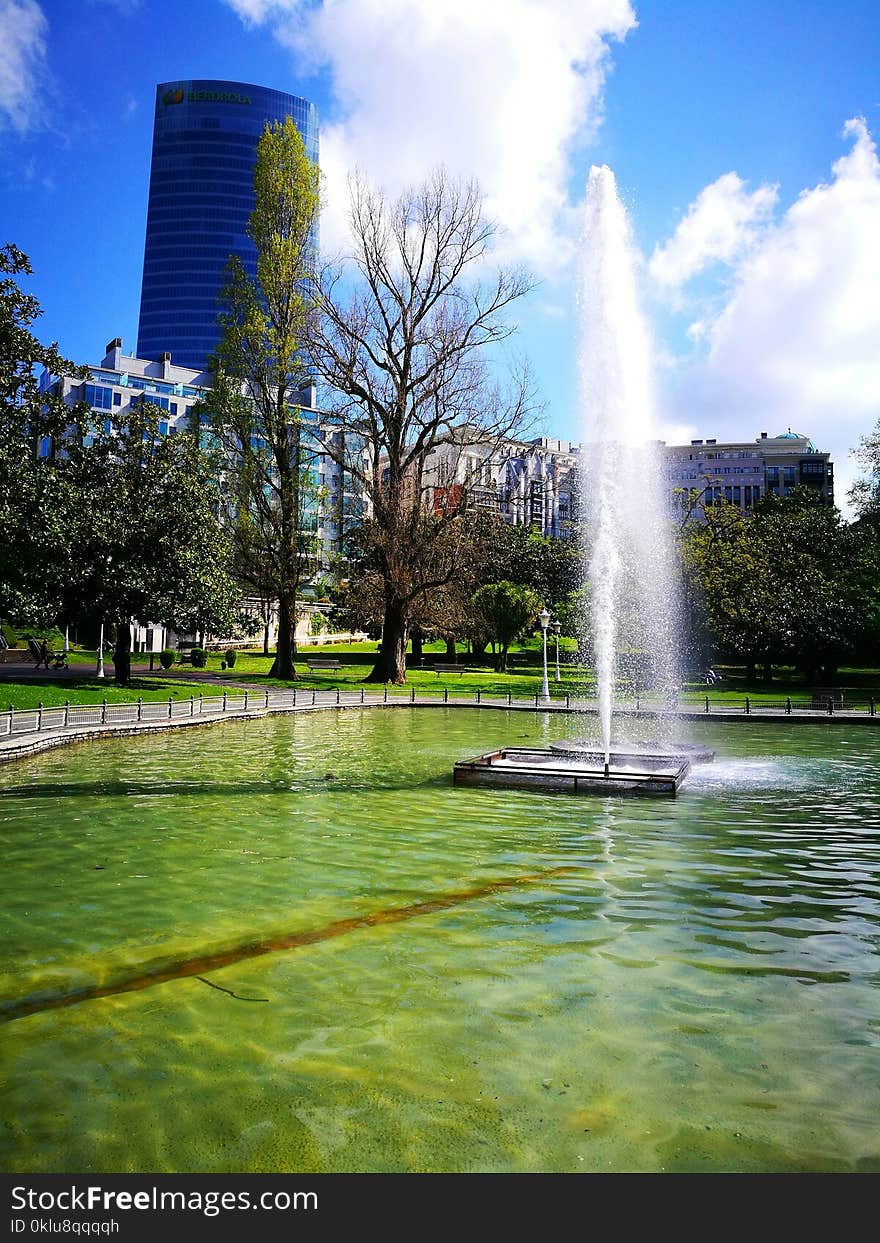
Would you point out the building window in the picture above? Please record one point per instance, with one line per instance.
(99, 398)
(117, 399)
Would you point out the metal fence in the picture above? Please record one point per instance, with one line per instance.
(212, 707)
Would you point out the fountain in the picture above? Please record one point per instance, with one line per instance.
(628, 555)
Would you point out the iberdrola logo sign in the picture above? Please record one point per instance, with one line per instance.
(178, 95)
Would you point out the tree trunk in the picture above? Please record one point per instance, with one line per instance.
(390, 663)
(768, 672)
(501, 661)
(282, 665)
(450, 648)
(418, 654)
(478, 648)
(122, 654)
(266, 639)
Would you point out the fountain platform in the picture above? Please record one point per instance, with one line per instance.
(566, 771)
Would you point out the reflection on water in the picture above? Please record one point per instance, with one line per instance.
(681, 984)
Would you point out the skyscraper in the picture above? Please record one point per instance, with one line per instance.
(205, 137)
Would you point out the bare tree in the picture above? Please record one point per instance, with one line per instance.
(405, 352)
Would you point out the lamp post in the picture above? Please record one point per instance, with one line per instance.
(544, 618)
(99, 671)
(556, 628)
(66, 639)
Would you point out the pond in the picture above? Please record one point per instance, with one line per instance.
(292, 945)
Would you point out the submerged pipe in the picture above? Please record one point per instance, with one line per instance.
(162, 973)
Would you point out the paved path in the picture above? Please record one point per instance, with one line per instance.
(28, 732)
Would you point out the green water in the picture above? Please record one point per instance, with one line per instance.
(698, 992)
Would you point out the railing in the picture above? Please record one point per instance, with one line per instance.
(212, 707)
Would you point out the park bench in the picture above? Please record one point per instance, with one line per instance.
(459, 669)
(322, 664)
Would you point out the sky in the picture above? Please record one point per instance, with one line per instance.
(742, 136)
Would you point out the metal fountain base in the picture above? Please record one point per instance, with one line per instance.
(577, 768)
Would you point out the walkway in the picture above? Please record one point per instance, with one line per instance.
(28, 732)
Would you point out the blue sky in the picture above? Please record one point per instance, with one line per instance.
(755, 215)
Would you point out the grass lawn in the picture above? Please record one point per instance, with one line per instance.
(524, 680)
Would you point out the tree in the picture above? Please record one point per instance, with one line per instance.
(35, 559)
(864, 495)
(786, 583)
(507, 609)
(111, 519)
(145, 535)
(260, 371)
(405, 354)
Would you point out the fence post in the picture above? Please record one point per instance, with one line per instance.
(536, 699)
(337, 697)
(748, 706)
(446, 694)
(66, 712)
(479, 694)
(224, 702)
(638, 704)
(39, 716)
(567, 701)
(831, 705)
(201, 701)
(171, 705)
(362, 694)
(788, 705)
(412, 697)
(871, 708)
(313, 699)
(707, 704)
(245, 699)
(140, 707)
(11, 716)
(266, 704)
(192, 705)
(385, 695)
(103, 711)
(509, 698)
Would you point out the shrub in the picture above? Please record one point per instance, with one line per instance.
(318, 624)
(167, 657)
(230, 658)
(199, 657)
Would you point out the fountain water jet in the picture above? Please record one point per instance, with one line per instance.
(628, 555)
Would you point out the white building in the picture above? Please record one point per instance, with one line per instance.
(122, 380)
(741, 472)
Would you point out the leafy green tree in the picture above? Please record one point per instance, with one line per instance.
(779, 584)
(255, 410)
(149, 544)
(117, 522)
(507, 609)
(35, 506)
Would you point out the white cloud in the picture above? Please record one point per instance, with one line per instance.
(797, 342)
(500, 89)
(23, 29)
(720, 226)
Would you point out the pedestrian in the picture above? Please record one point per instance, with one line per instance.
(44, 654)
(711, 676)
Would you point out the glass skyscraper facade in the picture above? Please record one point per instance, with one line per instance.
(201, 195)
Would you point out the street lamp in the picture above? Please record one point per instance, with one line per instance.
(544, 618)
(557, 628)
(99, 672)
